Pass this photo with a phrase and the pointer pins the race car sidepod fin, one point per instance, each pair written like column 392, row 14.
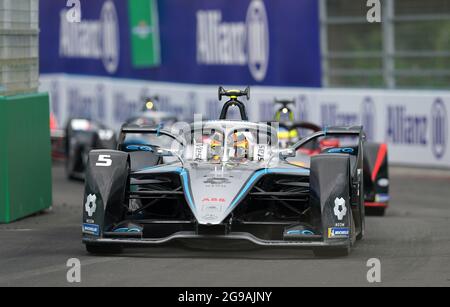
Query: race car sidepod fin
column 106, row 181
column 330, row 194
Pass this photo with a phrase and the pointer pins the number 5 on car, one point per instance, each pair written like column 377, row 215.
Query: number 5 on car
column 104, row 160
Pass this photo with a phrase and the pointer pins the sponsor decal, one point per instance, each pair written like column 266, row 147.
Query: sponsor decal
column 139, row 148
column 91, row 229
column 332, row 116
column 383, row 182
column 210, row 217
column 145, row 43
column 216, row 181
column 261, row 153
column 87, row 104
column 340, row 210
column 92, row 39
column 200, row 152
column 439, row 128
column 382, row 198
column 341, row 150
column 213, row 200
column 91, row 205
column 300, row 232
column 338, row 232
column 142, row 30
column 405, row 128
column 211, row 208
column 235, row 43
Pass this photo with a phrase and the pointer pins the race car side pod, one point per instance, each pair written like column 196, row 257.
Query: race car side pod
column 329, row 185
column 357, row 170
column 104, row 196
column 376, row 179
column 381, row 156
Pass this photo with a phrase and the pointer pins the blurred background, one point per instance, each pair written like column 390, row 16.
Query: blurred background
column 409, row 49
column 100, row 59
column 88, row 66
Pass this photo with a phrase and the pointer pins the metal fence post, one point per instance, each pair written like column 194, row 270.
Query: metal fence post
column 389, row 43
column 324, row 42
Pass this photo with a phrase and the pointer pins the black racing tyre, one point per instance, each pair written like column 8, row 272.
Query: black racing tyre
column 103, row 249
column 361, row 235
column 341, row 251
column 354, row 235
column 332, row 252
column 69, row 168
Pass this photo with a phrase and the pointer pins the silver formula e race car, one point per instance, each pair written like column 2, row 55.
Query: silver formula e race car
column 222, row 181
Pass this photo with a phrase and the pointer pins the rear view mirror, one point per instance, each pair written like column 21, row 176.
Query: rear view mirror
column 287, row 153
column 165, row 152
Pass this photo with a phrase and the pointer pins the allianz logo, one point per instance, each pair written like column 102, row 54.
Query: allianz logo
column 406, row 128
column 92, row 39
column 331, row 115
column 86, row 104
column 235, row 43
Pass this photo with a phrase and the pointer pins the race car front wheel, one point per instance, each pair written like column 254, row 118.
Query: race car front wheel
column 341, row 251
column 332, row 252
column 103, row 249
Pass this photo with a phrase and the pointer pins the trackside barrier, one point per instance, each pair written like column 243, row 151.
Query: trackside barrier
column 414, row 124
column 25, row 159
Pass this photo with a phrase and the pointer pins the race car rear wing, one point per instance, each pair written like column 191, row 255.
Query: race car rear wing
column 333, row 131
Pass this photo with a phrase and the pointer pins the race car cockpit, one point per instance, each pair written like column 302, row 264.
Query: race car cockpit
column 235, row 142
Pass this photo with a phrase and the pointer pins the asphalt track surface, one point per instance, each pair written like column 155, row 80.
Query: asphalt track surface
column 412, row 243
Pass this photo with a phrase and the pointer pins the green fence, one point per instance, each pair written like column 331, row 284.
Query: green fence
column 25, row 157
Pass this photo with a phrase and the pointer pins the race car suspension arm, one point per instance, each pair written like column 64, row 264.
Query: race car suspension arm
column 282, row 202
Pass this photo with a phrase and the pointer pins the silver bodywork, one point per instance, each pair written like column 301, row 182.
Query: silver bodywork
column 213, row 189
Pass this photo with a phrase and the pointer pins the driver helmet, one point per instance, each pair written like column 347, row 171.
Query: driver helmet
column 216, row 146
column 240, row 145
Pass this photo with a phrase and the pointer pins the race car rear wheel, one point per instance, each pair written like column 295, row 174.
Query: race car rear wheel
column 103, row 249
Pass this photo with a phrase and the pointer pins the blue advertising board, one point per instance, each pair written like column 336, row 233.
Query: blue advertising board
column 252, row 42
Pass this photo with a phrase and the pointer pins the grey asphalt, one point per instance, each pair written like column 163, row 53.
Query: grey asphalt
column 412, row 243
